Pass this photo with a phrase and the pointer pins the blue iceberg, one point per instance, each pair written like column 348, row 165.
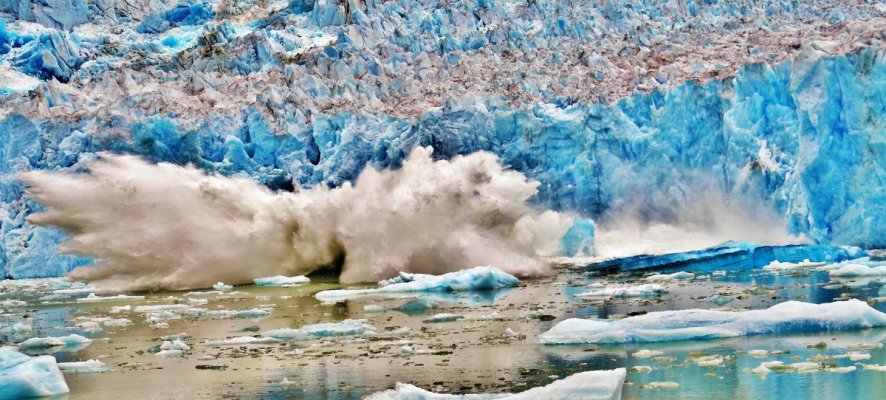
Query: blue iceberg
column 696, row 324
column 22, row 376
column 473, row 279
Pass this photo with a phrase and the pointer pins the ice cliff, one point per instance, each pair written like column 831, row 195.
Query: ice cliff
column 647, row 104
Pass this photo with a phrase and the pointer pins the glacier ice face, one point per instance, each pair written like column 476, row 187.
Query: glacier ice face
column 471, row 279
column 588, row 385
column 22, row 376
column 663, row 326
column 308, row 93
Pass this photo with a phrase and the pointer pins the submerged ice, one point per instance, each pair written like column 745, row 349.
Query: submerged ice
column 165, row 226
column 697, row 324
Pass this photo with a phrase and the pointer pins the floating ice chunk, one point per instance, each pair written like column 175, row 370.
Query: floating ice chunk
column 590, row 385
column 646, row 353
column 161, row 308
column 758, row 353
column 221, row 286
column 660, row 385
column 22, row 376
column 676, row 276
column 92, row 298
column 442, row 317
column 173, row 348
column 255, row 313
column 695, row 324
column 84, row 367
column 72, row 340
column 477, row 278
column 280, row 280
column 349, row 327
column 864, row 346
column 90, row 326
column 643, row 369
column 787, row 266
column 116, row 310
column 852, row 270
column 374, row 308
column 709, row 361
column 874, row 367
column 17, row 329
column 719, row 300
column 509, row 333
column 117, row 322
column 625, row 291
column 241, row 341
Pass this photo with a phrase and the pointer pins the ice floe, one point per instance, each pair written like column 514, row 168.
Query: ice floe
column 84, row 367
column 697, row 324
column 623, row 291
column 22, row 376
column 280, row 280
column 589, row 385
column 349, row 327
column 676, row 276
column 472, row 279
column 70, row 341
column 860, row 270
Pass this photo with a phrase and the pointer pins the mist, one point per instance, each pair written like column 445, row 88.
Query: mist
column 164, row 226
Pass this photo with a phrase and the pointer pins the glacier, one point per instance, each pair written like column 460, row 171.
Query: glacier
column 697, row 324
column 778, row 103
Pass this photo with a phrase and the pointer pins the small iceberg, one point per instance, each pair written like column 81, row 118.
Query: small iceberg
column 473, row 279
column 349, row 327
column 84, row 367
column 676, row 276
column 241, row 341
column 696, row 324
column 647, row 290
column 590, row 385
column 22, row 376
column 858, row 270
column 778, row 266
column 92, row 298
column 70, row 341
column 281, row 281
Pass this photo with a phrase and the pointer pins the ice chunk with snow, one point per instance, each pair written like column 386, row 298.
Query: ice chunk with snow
column 623, row 291
column 22, row 376
column 442, row 317
column 787, row 266
column 280, row 280
column 589, row 385
column 84, row 367
column 472, row 279
column 221, row 286
column 348, row 327
column 70, row 341
column 696, row 324
column 676, row 276
column 858, row 270
column 92, row 298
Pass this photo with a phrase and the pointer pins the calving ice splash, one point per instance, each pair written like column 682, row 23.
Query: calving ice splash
column 153, row 226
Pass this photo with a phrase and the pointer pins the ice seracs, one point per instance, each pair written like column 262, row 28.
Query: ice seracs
column 696, row 324
column 472, row 279
column 589, row 385
column 22, row 376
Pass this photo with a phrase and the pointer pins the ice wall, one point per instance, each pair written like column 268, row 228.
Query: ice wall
column 776, row 104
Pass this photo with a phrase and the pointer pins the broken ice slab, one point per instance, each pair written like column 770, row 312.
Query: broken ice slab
column 697, row 324
column 72, row 341
column 477, row 279
column 731, row 256
column 588, row 385
column 348, row 327
column 22, row 376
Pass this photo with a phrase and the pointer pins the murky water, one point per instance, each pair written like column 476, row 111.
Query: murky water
column 470, row 355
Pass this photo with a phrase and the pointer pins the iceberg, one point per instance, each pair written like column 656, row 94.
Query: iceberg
column 281, row 280
column 589, row 385
column 472, row 279
column 70, row 341
column 350, row 327
column 625, row 291
column 84, row 367
column 696, row 324
column 858, row 270
column 22, row 376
